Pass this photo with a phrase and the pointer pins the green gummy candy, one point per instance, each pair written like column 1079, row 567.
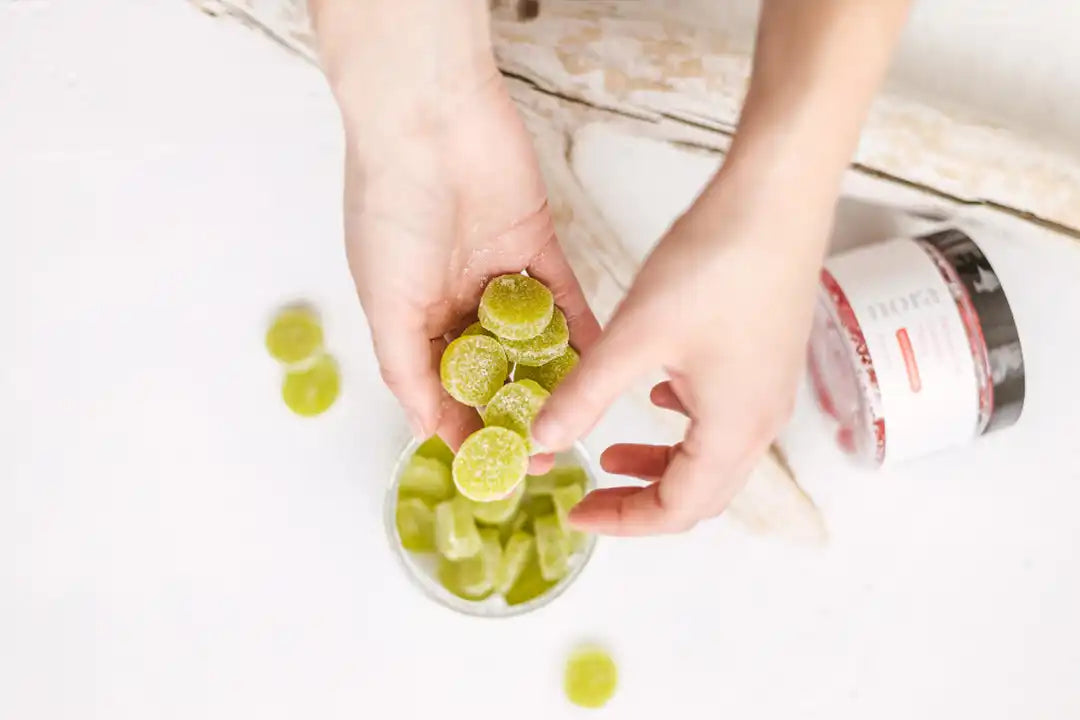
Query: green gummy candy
column 543, row 348
column 529, row 585
column 427, row 479
column 515, row 555
column 497, row 512
column 415, row 523
column 515, row 307
column 477, row 329
column 436, row 449
column 490, row 464
column 312, row 391
column 535, row 506
column 515, row 406
column 552, row 547
column 564, row 499
column 294, row 335
column 474, row 577
column 550, row 374
column 473, row 368
column 456, row 535
column 555, row 478
column 515, row 524
column 590, row 677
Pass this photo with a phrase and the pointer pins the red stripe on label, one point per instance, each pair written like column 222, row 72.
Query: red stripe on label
column 914, row 381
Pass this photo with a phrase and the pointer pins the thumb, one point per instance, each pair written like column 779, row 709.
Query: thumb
column 612, row 364
column 406, row 364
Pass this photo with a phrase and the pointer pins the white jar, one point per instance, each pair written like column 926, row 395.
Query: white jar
column 914, row 347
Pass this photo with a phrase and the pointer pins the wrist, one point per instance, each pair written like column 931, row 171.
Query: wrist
column 391, row 60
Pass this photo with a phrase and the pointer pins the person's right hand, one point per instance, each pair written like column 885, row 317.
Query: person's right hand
column 442, row 192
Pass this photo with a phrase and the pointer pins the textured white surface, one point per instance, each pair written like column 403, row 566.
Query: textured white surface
column 183, row 547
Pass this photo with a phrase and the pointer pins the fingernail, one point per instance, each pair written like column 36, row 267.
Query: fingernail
column 417, row 426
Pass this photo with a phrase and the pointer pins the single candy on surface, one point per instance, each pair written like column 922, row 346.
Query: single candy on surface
column 543, row 348
column 490, row 464
column 473, row 368
column 515, row 555
column 515, row 307
column 427, row 479
column 294, row 335
column 456, row 536
column 552, row 547
column 312, row 391
column 415, row 523
column 590, row 677
column 560, row 476
column 474, row 577
column 436, row 449
column 529, row 585
column 550, row 374
column 497, row 512
column 515, row 406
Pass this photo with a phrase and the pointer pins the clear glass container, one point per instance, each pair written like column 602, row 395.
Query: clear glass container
column 422, row 567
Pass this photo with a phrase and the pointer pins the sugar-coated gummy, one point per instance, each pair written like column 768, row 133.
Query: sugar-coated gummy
column 590, row 677
column 559, row 476
column 515, row 307
column 477, row 329
column 550, row 374
column 530, row 583
column 515, row 556
column 415, row 523
column 294, row 335
column 515, row 406
column 543, row 348
column 436, row 449
column 427, row 479
column 473, row 368
column 496, row 512
column 490, row 464
column 552, row 547
column 312, row 390
column 456, row 535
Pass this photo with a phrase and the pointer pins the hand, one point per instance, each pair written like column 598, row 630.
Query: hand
column 724, row 306
column 430, row 216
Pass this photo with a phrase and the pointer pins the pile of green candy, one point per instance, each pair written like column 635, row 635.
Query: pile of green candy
column 506, row 365
column 518, row 547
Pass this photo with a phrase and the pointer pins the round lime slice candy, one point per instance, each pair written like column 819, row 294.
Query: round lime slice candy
column 312, row 391
column 497, row 512
column 476, row 329
column 543, row 348
column 427, row 479
column 415, row 523
column 473, row 368
column 552, row 547
column 490, row 464
column 516, row 554
column 590, row 677
column 515, row 406
column 550, row 374
column 294, row 335
column 436, row 449
column 515, row 307
column 456, row 536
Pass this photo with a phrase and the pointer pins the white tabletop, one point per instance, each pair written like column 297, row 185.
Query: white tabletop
column 185, row 547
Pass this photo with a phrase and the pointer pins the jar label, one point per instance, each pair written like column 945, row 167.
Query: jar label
column 917, row 343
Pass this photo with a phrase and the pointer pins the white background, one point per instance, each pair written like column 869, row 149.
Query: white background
column 184, row 547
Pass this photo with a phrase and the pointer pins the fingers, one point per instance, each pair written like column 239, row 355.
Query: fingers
column 550, row 267
column 615, row 361
column 663, row 396
column 407, row 363
column 645, row 462
column 457, row 421
column 541, row 464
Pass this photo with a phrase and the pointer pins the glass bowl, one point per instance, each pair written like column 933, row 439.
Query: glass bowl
column 422, row 567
